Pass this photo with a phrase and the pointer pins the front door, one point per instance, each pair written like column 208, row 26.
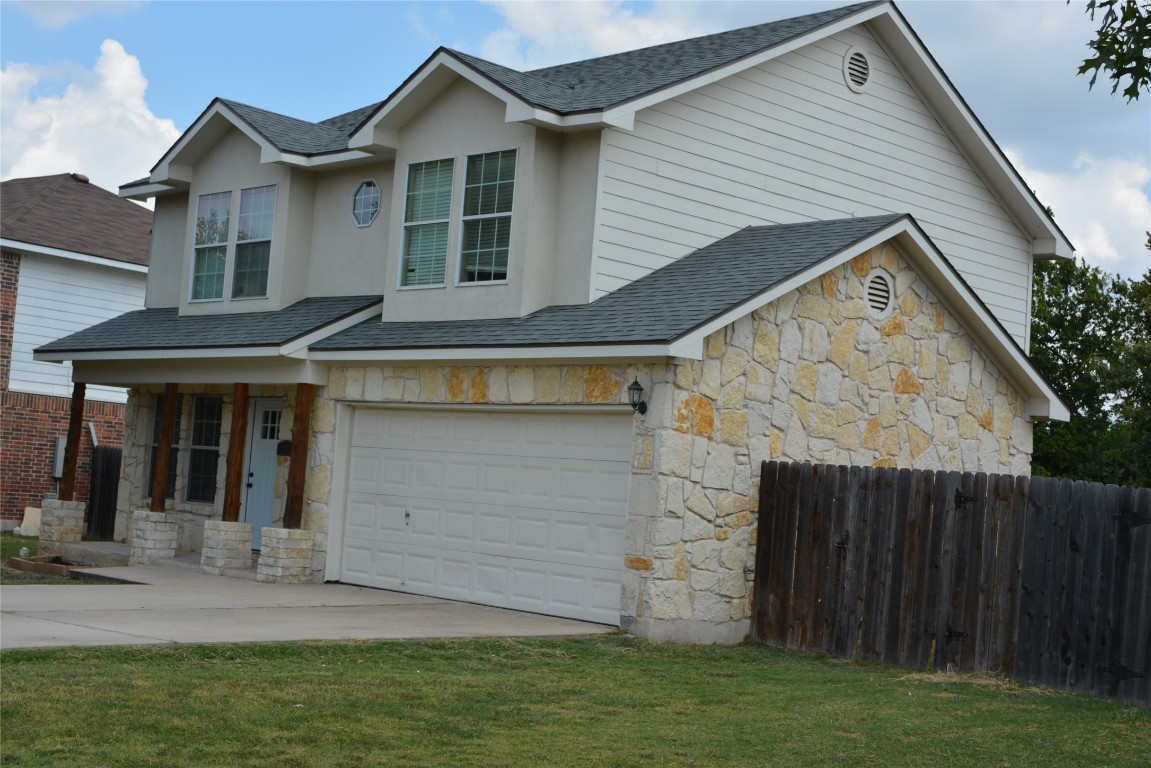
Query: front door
column 259, row 497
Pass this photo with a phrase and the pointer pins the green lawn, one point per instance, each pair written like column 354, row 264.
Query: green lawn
column 10, row 546
column 606, row 701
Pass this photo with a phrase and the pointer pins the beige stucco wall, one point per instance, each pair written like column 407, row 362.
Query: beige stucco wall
column 345, row 259
column 169, row 239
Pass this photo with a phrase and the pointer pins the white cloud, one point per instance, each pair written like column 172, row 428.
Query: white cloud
column 61, row 13
column 100, row 125
column 1102, row 206
column 538, row 34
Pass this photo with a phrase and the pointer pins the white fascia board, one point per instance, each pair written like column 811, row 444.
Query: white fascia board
column 145, row 191
column 167, row 169
column 694, row 83
column 320, row 161
column 631, row 352
column 299, row 347
column 962, row 123
column 126, row 355
column 367, row 135
column 200, row 372
column 44, row 250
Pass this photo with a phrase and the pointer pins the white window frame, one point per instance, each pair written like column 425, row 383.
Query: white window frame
column 410, row 226
column 231, row 244
column 254, row 240
column 465, row 219
column 356, row 210
column 198, row 247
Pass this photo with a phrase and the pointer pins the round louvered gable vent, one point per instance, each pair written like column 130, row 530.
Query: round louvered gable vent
column 857, row 70
column 880, row 293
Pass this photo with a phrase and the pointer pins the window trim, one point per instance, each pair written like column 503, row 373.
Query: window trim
column 198, row 248
column 408, row 226
column 355, row 200
column 464, row 219
column 231, row 245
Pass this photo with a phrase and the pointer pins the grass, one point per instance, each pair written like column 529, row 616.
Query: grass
column 605, row 701
column 10, row 545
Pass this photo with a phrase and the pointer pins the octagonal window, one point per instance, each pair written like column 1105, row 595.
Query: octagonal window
column 366, row 203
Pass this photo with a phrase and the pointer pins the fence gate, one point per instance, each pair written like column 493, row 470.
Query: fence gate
column 1044, row 580
column 102, row 492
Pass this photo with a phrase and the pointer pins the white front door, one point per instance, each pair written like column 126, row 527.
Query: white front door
column 259, row 498
column 521, row 509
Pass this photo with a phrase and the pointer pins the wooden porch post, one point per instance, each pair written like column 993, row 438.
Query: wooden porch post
column 298, row 463
column 237, row 440
column 164, row 448
column 72, row 447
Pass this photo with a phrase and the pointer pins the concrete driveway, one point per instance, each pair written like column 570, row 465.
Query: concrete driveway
column 176, row 603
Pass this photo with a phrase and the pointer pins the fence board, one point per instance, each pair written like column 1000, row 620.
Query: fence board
column 1047, row 580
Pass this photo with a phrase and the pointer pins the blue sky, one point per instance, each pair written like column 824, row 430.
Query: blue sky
column 104, row 88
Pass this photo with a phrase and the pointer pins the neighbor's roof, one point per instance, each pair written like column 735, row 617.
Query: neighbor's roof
column 66, row 212
column 164, row 328
column 657, row 308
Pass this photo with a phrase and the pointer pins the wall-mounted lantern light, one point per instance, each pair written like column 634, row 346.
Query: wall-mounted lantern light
column 635, row 397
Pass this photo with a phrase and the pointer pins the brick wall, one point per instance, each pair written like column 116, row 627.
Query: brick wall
column 29, row 425
column 9, row 277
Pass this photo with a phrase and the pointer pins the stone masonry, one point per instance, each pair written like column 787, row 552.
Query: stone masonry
column 61, row 522
column 812, row 376
column 153, row 536
column 286, row 557
column 227, row 547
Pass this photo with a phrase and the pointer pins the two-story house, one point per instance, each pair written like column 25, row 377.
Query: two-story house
column 524, row 338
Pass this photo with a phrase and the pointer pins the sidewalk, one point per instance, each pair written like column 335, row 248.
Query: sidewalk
column 175, row 602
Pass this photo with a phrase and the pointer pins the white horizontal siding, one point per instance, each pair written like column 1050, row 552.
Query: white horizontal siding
column 789, row 142
column 55, row 298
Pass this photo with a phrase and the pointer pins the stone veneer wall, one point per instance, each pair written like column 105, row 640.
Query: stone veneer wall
column 809, row 377
column 135, row 489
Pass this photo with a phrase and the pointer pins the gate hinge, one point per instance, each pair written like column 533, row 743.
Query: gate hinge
column 843, row 542
column 952, row 634
column 961, row 499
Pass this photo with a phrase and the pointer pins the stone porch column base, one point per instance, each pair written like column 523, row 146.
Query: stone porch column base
column 227, row 547
column 286, row 556
column 153, row 536
column 61, row 522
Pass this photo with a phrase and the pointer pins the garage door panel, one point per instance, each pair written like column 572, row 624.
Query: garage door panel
column 576, row 485
column 493, row 530
column 585, row 435
column 517, row 510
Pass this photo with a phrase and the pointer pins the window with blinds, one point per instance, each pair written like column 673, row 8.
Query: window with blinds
column 427, row 210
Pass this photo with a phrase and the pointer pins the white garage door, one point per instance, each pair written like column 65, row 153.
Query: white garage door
column 513, row 509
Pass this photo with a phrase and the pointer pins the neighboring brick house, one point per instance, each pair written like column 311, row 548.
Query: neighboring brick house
column 71, row 254
column 397, row 348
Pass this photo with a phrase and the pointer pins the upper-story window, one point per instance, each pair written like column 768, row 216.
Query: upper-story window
column 252, row 248
column 366, row 203
column 487, row 217
column 484, row 220
column 213, row 216
column 427, row 208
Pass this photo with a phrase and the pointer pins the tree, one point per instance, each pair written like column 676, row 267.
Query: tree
column 1122, row 45
column 1091, row 337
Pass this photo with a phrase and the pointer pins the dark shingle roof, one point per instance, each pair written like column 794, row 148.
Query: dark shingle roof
column 69, row 213
column 580, row 86
column 658, row 308
column 166, row 329
column 609, row 80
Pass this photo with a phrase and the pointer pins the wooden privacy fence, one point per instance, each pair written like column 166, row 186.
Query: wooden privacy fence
column 1047, row 581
